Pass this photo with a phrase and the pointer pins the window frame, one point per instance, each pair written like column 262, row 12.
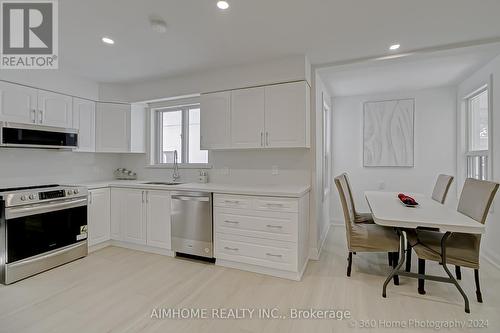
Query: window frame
column 484, row 153
column 156, row 142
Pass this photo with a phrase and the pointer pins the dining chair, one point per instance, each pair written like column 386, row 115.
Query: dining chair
column 439, row 194
column 462, row 249
column 358, row 217
column 365, row 237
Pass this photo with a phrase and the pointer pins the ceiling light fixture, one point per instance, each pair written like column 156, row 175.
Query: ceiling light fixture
column 222, row 5
column 108, row 40
column 394, row 47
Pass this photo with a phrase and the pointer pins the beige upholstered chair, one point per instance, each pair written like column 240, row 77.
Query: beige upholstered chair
column 439, row 194
column 461, row 249
column 364, row 237
column 441, row 188
column 358, row 217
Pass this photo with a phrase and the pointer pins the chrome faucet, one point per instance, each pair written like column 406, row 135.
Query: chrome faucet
column 175, row 174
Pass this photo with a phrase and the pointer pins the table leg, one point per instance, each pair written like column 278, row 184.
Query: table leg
column 400, row 263
column 452, row 278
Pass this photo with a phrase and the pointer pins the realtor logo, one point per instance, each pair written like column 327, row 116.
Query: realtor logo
column 29, row 34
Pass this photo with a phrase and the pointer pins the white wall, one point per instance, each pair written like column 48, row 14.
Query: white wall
column 435, row 147
column 32, row 166
column 285, row 69
column 490, row 246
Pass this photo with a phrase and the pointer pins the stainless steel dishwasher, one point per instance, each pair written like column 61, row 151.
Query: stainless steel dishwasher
column 192, row 231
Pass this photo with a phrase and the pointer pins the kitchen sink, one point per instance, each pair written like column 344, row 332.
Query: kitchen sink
column 162, row 183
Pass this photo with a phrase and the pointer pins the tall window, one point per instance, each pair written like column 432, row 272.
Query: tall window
column 178, row 130
column 326, row 150
column 477, row 154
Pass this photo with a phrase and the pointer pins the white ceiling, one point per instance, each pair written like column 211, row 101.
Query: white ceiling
column 201, row 37
column 414, row 72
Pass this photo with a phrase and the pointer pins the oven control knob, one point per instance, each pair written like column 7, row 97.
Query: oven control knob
column 69, row 192
column 76, row 191
column 32, row 196
column 24, row 197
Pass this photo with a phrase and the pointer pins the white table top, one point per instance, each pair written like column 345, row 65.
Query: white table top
column 388, row 211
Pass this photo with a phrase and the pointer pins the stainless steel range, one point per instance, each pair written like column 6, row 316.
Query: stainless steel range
column 41, row 227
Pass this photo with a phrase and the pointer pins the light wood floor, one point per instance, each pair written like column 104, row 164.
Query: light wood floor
column 115, row 290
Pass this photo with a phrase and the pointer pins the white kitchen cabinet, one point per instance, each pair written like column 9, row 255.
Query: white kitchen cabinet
column 158, row 219
column 247, row 118
column 215, row 120
column 84, row 122
column 99, row 216
column 287, row 115
column 141, row 217
column 18, row 103
column 120, row 128
column 266, row 235
column 55, row 109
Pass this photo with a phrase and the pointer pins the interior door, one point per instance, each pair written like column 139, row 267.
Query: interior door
column 17, row 103
column 215, row 120
column 247, row 118
column 84, row 121
column 55, row 109
column 158, row 217
column 287, row 115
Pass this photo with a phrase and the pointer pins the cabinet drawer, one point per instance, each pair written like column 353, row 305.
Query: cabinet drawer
column 279, row 226
column 276, row 204
column 254, row 251
column 232, row 201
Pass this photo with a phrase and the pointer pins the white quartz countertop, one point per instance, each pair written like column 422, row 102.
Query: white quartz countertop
column 293, row 191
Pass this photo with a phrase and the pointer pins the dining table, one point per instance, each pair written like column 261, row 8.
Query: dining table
column 389, row 211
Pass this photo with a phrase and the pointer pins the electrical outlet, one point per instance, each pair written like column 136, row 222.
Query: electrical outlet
column 275, row 170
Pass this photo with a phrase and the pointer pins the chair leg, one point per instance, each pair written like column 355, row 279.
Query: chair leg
column 389, row 256
column 408, row 257
column 349, row 260
column 458, row 272
column 478, row 289
column 395, row 261
column 421, row 282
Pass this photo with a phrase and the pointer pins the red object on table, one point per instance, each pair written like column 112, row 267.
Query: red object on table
column 407, row 200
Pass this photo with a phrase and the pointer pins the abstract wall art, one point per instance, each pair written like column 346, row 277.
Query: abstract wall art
column 388, row 133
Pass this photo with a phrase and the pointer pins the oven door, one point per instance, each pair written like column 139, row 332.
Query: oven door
column 32, row 230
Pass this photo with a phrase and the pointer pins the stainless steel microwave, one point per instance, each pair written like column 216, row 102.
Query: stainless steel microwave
column 37, row 136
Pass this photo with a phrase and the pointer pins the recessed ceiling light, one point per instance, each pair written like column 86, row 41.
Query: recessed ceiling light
column 222, row 4
column 394, row 47
column 108, row 40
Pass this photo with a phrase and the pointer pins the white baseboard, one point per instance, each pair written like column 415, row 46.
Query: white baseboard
column 314, row 252
column 491, row 258
column 337, row 223
column 143, row 248
column 99, row 246
column 296, row 276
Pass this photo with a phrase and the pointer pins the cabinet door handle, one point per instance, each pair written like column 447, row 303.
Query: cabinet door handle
column 274, row 255
column 261, row 139
column 231, row 248
column 267, row 138
column 34, row 115
column 274, row 205
column 232, row 222
column 274, row 226
column 41, row 116
column 232, row 201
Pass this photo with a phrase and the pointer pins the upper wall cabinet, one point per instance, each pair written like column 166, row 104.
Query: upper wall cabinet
column 18, row 103
column 32, row 106
column 55, row 109
column 274, row 116
column 120, row 128
column 215, row 119
column 287, row 115
column 84, row 122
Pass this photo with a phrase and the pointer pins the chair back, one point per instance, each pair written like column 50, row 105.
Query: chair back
column 351, row 196
column 476, row 198
column 346, row 202
column 441, row 188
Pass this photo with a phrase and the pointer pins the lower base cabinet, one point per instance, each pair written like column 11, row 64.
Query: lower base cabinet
column 262, row 234
column 141, row 217
column 98, row 216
